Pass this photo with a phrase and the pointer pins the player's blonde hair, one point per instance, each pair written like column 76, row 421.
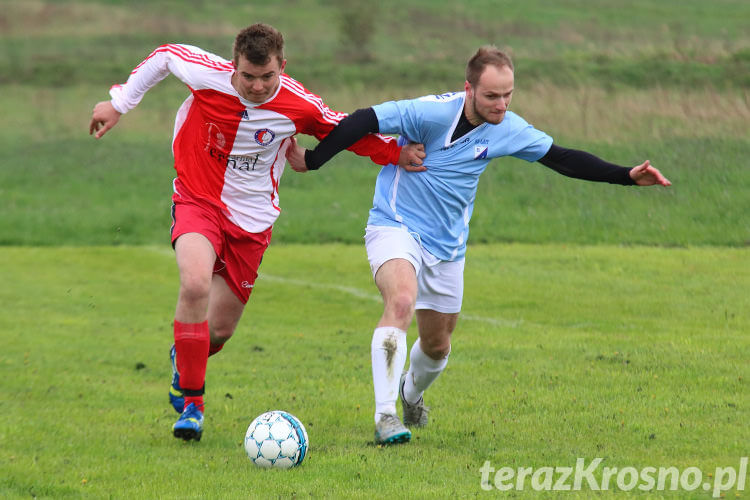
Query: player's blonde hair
column 258, row 43
column 489, row 54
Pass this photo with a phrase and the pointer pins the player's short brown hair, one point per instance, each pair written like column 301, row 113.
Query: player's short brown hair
column 258, row 43
column 489, row 54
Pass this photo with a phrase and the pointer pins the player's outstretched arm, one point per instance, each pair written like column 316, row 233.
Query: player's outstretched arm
column 646, row 175
column 586, row 166
column 410, row 158
column 350, row 130
column 104, row 117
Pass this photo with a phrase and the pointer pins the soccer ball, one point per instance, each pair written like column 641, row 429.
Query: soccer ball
column 276, row 439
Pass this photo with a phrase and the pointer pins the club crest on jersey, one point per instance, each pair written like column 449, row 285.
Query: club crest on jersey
column 480, row 152
column 264, row 136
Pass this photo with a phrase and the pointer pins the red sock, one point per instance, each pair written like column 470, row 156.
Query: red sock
column 196, row 400
column 191, row 341
column 214, row 348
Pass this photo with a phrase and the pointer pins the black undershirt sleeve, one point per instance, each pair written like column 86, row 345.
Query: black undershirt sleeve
column 349, row 130
column 583, row 165
column 568, row 162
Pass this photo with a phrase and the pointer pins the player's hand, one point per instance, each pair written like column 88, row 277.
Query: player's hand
column 646, row 175
column 295, row 155
column 104, row 117
column 411, row 157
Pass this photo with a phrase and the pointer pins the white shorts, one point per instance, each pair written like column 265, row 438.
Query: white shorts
column 440, row 283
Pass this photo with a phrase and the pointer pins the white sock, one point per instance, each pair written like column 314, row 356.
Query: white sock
column 388, row 352
column 423, row 370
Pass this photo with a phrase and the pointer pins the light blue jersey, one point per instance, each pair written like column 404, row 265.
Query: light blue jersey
column 437, row 204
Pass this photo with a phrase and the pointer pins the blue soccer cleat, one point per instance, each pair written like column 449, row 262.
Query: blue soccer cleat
column 190, row 424
column 176, row 397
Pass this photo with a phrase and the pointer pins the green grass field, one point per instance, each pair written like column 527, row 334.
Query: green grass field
column 635, row 355
column 599, row 321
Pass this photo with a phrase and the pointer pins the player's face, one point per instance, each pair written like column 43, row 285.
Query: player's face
column 257, row 83
column 489, row 99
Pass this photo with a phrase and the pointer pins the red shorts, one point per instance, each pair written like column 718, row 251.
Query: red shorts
column 238, row 253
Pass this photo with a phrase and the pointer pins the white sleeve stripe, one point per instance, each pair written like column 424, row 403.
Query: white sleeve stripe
column 291, row 82
column 325, row 111
column 203, row 59
column 188, row 56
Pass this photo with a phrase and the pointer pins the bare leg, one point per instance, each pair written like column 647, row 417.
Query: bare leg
column 224, row 311
column 435, row 330
column 195, row 262
column 397, row 282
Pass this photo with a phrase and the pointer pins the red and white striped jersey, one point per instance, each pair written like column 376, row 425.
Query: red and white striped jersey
column 231, row 151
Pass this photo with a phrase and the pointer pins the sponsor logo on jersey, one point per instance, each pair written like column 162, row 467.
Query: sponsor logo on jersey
column 244, row 115
column 480, row 152
column 264, row 136
column 242, row 162
column 246, row 284
column 214, row 137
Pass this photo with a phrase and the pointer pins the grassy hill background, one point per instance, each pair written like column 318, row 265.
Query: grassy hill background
column 667, row 81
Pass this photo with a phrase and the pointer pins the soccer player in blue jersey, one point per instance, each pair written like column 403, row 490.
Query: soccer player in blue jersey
column 418, row 227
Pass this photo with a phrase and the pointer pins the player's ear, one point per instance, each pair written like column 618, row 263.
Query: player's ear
column 467, row 88
column 283, row 65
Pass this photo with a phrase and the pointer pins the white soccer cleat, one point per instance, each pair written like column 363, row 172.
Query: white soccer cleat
column 390, row 430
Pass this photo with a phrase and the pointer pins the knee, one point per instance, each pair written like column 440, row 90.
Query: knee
column 401, row 306
column 221, row 332
column 194, row 288
column 436, row 348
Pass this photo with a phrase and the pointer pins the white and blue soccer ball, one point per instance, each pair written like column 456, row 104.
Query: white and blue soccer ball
column 276, row 439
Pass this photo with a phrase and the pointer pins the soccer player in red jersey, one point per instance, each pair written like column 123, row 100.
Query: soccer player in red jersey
column 230, row 141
